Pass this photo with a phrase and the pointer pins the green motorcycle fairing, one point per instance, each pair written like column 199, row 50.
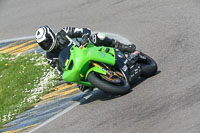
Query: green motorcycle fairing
column 78, row 66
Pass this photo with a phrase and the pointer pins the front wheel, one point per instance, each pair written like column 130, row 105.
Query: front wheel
column 114, row 88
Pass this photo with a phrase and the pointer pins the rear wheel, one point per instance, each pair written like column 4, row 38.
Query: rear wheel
column 149, row 66
column 117, row 84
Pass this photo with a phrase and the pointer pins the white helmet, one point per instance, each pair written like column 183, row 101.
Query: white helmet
column 45, row 37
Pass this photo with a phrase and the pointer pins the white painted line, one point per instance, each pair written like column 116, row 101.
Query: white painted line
column 17, row 39
column 76, row 103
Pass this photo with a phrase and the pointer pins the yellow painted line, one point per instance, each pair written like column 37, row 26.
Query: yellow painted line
column 14, row 131
column 56, row 92
column 61, row 87
column 69, row 91
column 49, row 95
column 7, row 46
column 43, row 102
column 46, row 98
column 59, row 93
column 15, row 47
column 24, row 48
column 64, row 87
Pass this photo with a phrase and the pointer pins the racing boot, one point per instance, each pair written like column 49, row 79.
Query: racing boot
column 123, row 47
column 100, row 39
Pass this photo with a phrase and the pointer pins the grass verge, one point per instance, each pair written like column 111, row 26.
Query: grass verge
column 23, row 80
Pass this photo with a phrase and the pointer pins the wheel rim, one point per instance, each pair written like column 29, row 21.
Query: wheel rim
column 117, row 78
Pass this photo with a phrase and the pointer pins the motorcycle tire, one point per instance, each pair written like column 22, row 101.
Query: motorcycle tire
column 149, row 66
column 108, row 87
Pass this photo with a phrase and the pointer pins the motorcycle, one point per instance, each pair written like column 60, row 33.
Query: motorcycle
column 102, row 67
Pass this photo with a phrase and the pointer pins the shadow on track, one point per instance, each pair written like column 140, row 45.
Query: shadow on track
column 102, row 96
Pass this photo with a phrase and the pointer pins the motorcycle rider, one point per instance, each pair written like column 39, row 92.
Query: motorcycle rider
column 53, row 43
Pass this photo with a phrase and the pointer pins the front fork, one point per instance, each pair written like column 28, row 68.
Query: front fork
column 109, row 72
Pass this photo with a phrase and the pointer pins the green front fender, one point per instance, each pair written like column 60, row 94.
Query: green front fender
column 95, row 69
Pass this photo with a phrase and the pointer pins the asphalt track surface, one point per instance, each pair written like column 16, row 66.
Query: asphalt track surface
column 167, row 30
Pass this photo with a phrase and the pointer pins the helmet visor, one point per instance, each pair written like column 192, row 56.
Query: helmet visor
column 46, row 44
